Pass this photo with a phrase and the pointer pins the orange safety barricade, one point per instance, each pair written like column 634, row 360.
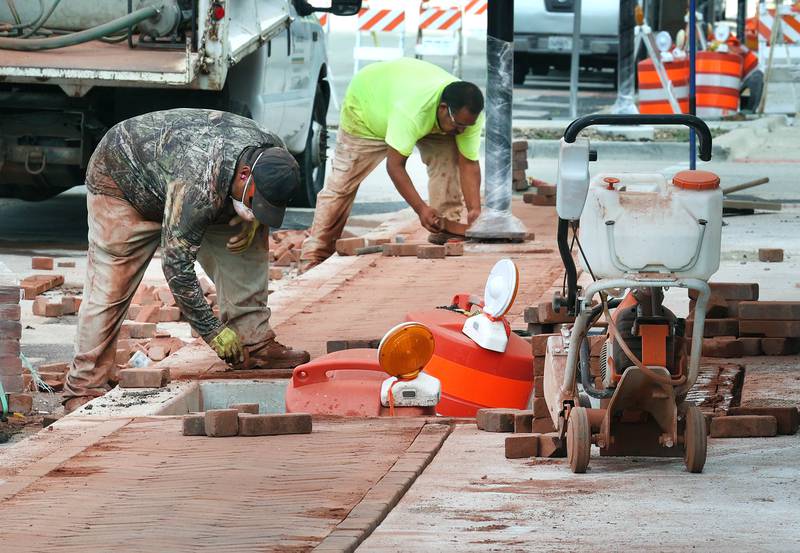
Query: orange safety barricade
column 653, row 98
column 718, row 79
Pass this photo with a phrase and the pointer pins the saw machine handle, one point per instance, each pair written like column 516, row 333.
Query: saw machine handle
column 692, row 121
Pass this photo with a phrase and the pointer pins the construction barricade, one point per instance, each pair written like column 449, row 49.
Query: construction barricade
column 654, row 97
column 718, row 80
column 440, row 33
column 381, row 21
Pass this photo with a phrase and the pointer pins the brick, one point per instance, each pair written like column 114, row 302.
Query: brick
column 751, row 346
column 539, row 344
column 148, row 314
column 744, row 426
column 194, row 424
column 10, row 330
column 378, row 241
column 10, row 295
column 538, row 386
column 221, row 423
column 275, row 273
column 145, row 295
column 523, row 422
column 787, row 418
column 143, row 378
column 164, row 295
column 431, row 252
column 138, row 330
column 42, row 263
column 169, row 315
column 122, row 356
column 716, row 327
column 535, row 198
column 12, row 382
column 496, row 419
column 157, row 353
column 550, row 446
column 70, row 305
column 519, row 164
column 543, row 425
column 9, row 347
column 519, row 183
column 368, row 250
column 20, row 403
column 407, row 249
column 43, row 307
column 10, row 312
column 770, row 329
column 741, row 291
column 519, row 146
column 716, row 308
column 770, row 255
column 273, row 425
column 455, row 227
column 540, row 408
column 207, row 285
column 348, row 246
column 453, row 248
column 66, row 264
column 521, row 446
column 548, row 315
column 538, row 366
column 54, row 368
column 722, row 346
column 779, row 346
column 531, row 314
column 770, row 310
column 10, row 364
column 250, row 408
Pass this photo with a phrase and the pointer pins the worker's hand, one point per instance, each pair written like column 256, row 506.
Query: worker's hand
column 228, row 347
column 472, row 215
column 240, row 242
column 430, row 219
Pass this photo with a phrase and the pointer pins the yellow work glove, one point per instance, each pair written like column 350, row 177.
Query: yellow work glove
column 240, row 242
column 227, row 345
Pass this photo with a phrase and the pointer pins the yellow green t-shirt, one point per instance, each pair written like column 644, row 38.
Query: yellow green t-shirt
column 395, row 101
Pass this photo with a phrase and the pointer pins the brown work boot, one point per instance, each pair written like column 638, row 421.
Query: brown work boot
column 76, row 403
column 274, row 355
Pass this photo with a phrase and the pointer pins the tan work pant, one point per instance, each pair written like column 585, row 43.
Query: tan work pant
column 121, row 244
column 354, row 159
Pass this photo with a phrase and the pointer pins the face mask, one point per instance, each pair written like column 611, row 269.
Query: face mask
column 238, row 205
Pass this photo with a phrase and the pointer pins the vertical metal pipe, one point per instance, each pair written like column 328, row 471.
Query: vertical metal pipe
column 626, row 64
column 741, row 16
column 576, row 58
column 692, row 81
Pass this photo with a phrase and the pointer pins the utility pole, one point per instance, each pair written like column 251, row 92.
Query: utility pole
column 626, row 64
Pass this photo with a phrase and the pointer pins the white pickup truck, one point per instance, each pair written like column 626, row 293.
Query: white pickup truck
column 70, row 70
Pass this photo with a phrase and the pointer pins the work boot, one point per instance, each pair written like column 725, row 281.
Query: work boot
column 439, row 238
column 76, row 403
column 274, row 355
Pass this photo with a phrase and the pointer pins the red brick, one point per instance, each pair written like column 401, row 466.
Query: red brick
column 169, row 315
column 543, row 425
column 539, row 344
column 744, row 426
column 779, row 346
column 550, row 446
column 770, row 329
column 275, row 273
column 523, row 422
column 519, row 164
column 285, row 260
column 348, row 246
column 9, row 347
column 722, row 346
column 222, row 422
column 54, row 367
column 157, row 353
column 10, row 294
column 747, row 291
column 207, row 285
column 12, row 382
column 770, row 255
column 10, row 364
column 43, row 307
column 20, row 403
column 538, row 366
column 143, row 378
column 535, row 198
column 407, row 249
column 455, row 227
column 519, row 146
column 148, row 314
column 540, row 408
column 454, row 248
column 272, row 425
column 70, row 304
column 431, row 252
column 42, row 263
column 788, row 418
column 521, row 446
column 10, row 330
column 122, row 356
column 145, row 295
column 164, row 294
column 138, row 330
column 538, row 386
column 770, row 310
column 716, row 327
column 37, row 285
column 752, row 346
column 547, row 314
column 249, row 408
column 66, row 264
column 10, row 312
column 194, row 424
column 496, row 419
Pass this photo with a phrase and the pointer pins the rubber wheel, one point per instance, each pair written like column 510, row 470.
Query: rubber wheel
column 312, row 159
column 584, row 401
column 520, row 70
column 579, row 440
column 695, row 439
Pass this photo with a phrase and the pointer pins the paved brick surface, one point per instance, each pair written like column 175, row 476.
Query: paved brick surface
column 147, row 487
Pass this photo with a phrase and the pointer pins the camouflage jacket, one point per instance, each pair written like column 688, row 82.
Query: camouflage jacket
column 176, row 167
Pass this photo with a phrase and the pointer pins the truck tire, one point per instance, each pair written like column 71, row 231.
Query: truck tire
column 312, row 159
column 520, row 69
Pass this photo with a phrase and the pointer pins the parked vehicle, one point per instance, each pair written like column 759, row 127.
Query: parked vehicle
column 102, row 62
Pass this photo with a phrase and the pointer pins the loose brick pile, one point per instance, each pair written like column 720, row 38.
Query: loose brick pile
column 36, row 285
column 284, row 250
column 53, row 376
column 54, row 306
column 543, row 193
column 738, row 325
column 519, row 165
column 542, row 318
column 423, row 250
column 359, row 245
column 717, row 388
column 533, row 431
column 244, row 420
column 11, row 370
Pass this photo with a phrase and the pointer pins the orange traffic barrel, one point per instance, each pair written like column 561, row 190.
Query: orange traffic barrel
column 718, row 78
column 653, row 98
column 473, row 377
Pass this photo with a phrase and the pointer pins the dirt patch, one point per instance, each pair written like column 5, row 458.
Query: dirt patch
column 74, row 471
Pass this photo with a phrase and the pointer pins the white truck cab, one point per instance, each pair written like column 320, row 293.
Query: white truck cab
column 69, row 71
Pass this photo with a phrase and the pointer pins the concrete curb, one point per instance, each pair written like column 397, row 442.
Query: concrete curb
column 626, row 149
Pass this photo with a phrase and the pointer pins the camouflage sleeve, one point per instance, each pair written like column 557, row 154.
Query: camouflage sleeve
column 185, row 223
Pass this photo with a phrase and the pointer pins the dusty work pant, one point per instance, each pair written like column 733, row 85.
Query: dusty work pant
column 354, row 159
column 121, row 244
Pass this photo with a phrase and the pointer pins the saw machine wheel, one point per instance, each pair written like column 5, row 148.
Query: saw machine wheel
column 579, row 440
column 694, row 439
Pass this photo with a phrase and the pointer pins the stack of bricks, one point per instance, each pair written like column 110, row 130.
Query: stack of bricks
column 36, row 285
column 243, row 419
column 10, row 333
column 423, row 250
column 52, row 375
column 152, row 304
column 738, row 325
column 284, row 250
column 46, row 306
column 717, row 389
column 519, row 163
column 543, row 319
column 543, row 194
column 532, row 437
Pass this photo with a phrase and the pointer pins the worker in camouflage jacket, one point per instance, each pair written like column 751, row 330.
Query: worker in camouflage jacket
column 203, row 185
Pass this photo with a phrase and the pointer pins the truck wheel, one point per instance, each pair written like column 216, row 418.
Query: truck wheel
column 312, row 160
column 520, row 70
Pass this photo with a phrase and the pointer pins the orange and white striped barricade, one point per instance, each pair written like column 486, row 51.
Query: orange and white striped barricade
column 474, row 19
column 654, row 97
column 440, row 33
column 789, row 31
column 718, row 78
column 380, row 20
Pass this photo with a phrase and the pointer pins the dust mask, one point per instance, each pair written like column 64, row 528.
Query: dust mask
column 238, row 205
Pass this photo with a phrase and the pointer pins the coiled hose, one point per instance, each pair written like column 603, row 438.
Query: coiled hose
column 95, row 33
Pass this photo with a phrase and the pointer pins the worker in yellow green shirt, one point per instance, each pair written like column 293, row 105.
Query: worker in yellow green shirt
column 389, row 108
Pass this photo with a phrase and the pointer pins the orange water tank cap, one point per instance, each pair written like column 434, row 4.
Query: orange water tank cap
column 696, row 180
column 610, row 182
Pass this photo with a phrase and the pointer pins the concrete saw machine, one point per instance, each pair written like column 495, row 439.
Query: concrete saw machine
column 637, row 235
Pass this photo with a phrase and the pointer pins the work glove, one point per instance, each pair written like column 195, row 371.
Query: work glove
column 240, row 242
column 228, row 347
